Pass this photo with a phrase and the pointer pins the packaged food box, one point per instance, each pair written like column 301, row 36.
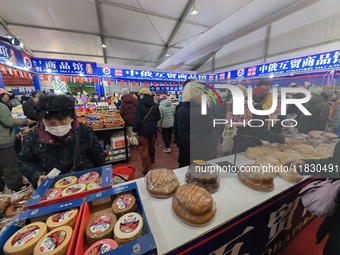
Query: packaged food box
column 117, row 142
column 115, row 219
column 38, row 228
column 71, row 186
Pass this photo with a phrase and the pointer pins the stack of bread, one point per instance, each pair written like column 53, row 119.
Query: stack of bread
column 193, row 205
column 315, row 145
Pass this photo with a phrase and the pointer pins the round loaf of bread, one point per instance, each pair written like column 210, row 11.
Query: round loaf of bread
column 316, row 133
column 288, row 157
column 304, row 149
column 290, row 175
column 331, row 136
column 273, row 147
column 161, row 182
column 254, row 178
column 254, row 152
column 193, row 205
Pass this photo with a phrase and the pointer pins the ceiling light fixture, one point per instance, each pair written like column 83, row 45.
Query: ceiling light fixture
column 9, row 63
column 26, row 68
column 167, row 54
column 49, row 70
column 81, row 74
column 104, row 45
column 194, row 11
column 271, row 76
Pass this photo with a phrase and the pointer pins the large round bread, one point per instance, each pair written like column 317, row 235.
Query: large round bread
column 273, row 147
column 254, row 178
column 290, row 175
column 304, row 149
column 288, row 157
column 194, row 205
column 161, row 182
column 254, row 152
column 316, row 133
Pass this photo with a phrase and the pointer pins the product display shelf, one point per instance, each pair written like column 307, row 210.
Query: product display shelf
column 126, row 144
column 232, row 199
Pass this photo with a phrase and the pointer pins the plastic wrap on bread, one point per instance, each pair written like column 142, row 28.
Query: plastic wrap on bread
column 255, row 178
column 193, row 205
column 161, row 183
column 204, row 175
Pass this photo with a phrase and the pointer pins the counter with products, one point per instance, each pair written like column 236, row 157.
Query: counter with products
column 246, row 220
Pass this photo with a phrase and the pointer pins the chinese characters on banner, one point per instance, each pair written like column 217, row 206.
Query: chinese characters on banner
column 64, row 67
column 303, row 64
column 165, row 88
column 150, row 75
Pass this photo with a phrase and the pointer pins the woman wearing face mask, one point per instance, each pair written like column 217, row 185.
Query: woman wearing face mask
column 58, row 141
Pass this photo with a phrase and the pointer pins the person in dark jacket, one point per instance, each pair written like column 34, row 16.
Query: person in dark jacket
column 128, row 110
column 28, row 107
column 192, row 130
column 146, row 118
column 251, row 136
column 331, row 224
column 58, row 141
column 319, row 108
column 94, row 98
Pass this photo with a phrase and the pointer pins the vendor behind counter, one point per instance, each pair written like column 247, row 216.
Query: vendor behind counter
column 252, row 136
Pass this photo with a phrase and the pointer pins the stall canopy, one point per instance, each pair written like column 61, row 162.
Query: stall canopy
column 163, row 34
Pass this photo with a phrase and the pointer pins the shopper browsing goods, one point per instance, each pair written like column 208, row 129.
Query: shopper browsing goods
column 58, row 141
column 8, row 159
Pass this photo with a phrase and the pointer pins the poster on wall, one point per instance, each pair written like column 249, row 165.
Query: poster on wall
column 11, row 54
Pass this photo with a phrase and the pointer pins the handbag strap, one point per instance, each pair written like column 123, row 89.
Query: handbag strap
column 147, row 114
column 76, row 149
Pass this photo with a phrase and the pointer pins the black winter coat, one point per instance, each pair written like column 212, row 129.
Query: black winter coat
column 319, row 109
column 251, row 136
column 28, row 109
column 147, row 127
column 193, row 134
column 38, row 158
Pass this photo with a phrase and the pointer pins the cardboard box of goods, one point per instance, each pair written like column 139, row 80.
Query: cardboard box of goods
column 47, row 229
column 117, row 142
column 71, row 186
column 114, row 221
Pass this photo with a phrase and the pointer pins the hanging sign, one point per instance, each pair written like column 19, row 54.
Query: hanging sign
column 150, row 75
column 165, row 88
column 9, row 53
column 54, row 66
column 321, row 61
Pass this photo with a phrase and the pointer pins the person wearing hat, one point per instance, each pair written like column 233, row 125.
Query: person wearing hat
column 128, row 110
column 58, row 141
column 251, row 136
column 8, row 158
column 319, row 108
column 146, row 118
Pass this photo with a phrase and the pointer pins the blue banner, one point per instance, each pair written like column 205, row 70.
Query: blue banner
column 165, row 88
column 305, row 64
column 64, row 67
column 146, row 75
column 10, row 54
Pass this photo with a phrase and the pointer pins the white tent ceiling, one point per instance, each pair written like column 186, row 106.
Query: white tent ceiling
column 225, row 34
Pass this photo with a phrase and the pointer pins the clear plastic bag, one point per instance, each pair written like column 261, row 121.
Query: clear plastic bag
column 161, row 183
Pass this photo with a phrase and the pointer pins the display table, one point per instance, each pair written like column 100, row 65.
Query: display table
column 246, row 222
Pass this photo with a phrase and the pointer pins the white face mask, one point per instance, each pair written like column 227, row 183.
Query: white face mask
column 59, row 130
